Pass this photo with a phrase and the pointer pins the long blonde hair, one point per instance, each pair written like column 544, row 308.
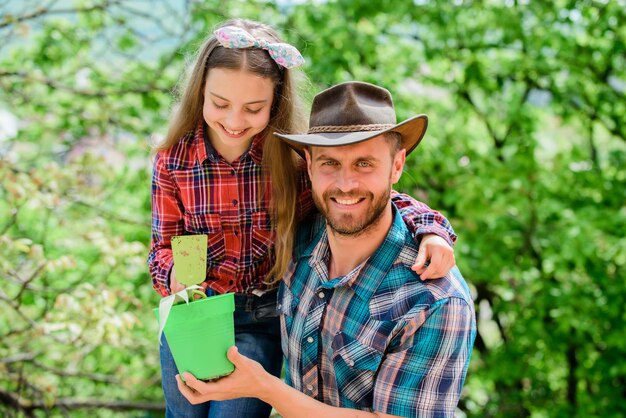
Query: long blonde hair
column 287, row 116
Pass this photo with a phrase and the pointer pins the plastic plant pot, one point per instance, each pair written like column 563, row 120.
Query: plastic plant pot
column 199, row 334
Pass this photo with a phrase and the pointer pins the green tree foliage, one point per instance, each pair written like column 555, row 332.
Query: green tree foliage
column 525, row 153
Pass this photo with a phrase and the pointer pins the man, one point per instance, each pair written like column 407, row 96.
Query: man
column 362, row 334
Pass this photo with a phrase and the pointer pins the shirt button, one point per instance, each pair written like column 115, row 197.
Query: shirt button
column 310, row 339
column 321, row 295
column 232, row 172
column 235, row 202
column 279, row 306
column 310, row 388
column 350, row 363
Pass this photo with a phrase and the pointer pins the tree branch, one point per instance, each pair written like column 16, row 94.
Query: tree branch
column 28, row 406
column 95, row 377
column 54, row 84
column 26, row 282
column 46, row 11
column 572, row 380
column 497, row 141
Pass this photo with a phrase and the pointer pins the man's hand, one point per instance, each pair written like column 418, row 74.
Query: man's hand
column 438, row 253
column 250, row 380
column 246, row 381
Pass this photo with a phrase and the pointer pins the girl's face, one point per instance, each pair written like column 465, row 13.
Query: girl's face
column 237, row 106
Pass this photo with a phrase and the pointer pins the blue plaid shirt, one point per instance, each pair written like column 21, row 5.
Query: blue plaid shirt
column 377, row 339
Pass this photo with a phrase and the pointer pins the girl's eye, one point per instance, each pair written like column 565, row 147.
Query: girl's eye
column 218, row 106
column 254, row 112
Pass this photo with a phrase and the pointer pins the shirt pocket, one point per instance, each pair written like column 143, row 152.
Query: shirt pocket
column 208, row 224
column 262, row 234
column 355, row 365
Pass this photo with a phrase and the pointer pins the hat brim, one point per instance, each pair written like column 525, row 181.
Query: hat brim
column 411, row 130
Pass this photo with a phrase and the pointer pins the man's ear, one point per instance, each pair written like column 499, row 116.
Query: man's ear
column 398, row 165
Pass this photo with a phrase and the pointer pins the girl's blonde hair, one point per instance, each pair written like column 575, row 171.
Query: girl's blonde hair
column 286, row 116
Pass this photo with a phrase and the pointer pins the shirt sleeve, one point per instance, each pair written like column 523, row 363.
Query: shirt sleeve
column 422, row 220
column 167, row 221
column 424, row 374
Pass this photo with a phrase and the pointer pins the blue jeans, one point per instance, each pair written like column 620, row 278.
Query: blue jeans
column 257, row 336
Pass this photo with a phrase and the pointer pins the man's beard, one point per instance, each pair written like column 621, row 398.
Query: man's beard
column 346, row 224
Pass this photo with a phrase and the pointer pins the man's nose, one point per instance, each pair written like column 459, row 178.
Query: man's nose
column 346, row 180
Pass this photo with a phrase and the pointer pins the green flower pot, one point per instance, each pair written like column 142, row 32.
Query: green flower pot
column 199, row 333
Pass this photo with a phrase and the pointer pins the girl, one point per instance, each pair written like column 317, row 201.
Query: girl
column 213, row 175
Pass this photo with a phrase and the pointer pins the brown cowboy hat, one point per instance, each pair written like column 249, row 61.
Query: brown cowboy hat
column 352, row 112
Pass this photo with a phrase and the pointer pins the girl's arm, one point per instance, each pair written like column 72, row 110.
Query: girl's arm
column 432, row 232
column 422, row 220
column 167, row 221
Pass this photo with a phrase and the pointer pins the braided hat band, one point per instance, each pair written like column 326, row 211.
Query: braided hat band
column 349, row 128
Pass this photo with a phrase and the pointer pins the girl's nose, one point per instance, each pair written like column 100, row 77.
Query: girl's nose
column 235, row 119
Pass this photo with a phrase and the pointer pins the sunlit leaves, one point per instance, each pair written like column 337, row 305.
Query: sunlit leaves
column 525, row 154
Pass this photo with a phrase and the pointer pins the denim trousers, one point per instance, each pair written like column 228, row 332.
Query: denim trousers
column 257, row 336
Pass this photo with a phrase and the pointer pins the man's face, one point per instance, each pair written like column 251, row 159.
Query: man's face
column 352, row 183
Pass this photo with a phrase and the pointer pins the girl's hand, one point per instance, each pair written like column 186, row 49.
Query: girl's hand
column 439, row 255
column 175, row 287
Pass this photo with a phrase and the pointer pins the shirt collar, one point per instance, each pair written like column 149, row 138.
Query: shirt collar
column 367, row 277
column 205, row 149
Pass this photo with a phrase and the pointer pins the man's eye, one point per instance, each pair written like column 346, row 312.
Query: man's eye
column 364, row 164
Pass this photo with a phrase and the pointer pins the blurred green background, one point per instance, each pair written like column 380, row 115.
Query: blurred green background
column 525, row 154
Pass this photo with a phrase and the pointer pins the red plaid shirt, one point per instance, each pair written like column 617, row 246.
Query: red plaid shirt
column 196, row 191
